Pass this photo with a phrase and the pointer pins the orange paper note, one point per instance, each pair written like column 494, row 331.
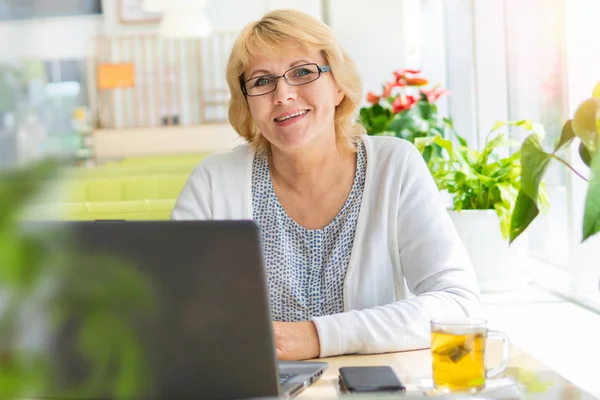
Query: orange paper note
column 114, row 76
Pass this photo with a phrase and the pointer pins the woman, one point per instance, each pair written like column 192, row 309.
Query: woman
column 360, row 253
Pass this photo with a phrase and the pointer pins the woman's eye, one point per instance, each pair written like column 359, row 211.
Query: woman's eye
column 262, row 81
column 300, row 72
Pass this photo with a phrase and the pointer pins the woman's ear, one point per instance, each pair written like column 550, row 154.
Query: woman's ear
column 339, row 96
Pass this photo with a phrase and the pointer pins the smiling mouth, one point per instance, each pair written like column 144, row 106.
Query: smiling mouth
column 294, row 115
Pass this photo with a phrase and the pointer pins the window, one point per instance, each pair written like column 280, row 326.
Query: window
column 509, row 60
column 28, row 9
column 37, row 120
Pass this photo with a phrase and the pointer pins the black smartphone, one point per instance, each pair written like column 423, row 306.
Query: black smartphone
column 370, row 379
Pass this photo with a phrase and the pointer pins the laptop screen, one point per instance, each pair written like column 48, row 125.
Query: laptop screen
column 150, row 310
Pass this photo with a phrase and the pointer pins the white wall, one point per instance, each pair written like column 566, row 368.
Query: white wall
column 433, row 47
column 224, row 15
column 52, row 38
column 233, row 15
column 112, row 24
column 371, row 32
column 312, row 7
column 70, row 37
column 491, row 80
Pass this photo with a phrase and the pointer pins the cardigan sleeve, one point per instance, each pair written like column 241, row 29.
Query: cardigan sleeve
column 193, row 202
column 434, row 264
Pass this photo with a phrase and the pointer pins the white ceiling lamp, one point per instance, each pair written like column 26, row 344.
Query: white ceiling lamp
column 185, row 23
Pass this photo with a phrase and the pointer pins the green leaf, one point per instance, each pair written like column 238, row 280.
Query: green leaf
column 422, row 142
column 365, row 118
column 534, row 164
column 496, row 142
column 374, row 118
column 377, row 109
column 461, row 140
column 378, row 124
column 585, row 155
column 508, row 193
column 444, row 144
column 19, row 186
column 596, row 91
column 534, row 161
column 591, row 219
column 498, row 125
column 525, row 211
column 501, row 141
column 408, row 120
column 486, row 180
column 509, row 161
column 525, row 123
column 566, row 137
column 428, row 155
column 499, row 173
column 585, row 123
column 538, row 129
column 425, row 109
column 470, row 155
column 508, row 197
column 543, row 198
column 504, row 214
column 450, row 126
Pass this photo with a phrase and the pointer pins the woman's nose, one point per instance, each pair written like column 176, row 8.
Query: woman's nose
column 284, row 92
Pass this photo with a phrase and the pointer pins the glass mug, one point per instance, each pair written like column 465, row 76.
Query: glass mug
column 458, row 354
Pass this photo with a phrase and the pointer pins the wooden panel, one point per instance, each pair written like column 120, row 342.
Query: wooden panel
column 200, row 88
column 117, row 143
column 144, row 80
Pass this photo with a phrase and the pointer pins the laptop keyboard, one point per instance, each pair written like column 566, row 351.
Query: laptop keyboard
column 284, row 378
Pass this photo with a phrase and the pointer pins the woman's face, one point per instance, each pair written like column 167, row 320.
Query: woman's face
column 313, row 103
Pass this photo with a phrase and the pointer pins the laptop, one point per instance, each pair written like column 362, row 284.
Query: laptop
column 184, row 302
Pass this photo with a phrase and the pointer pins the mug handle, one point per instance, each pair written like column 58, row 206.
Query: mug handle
column 490, row 373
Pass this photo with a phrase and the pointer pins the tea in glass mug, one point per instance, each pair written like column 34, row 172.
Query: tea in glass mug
column 458, row 354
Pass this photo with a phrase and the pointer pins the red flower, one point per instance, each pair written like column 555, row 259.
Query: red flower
column 403, row 102
column 401, row 73
column 387, row 89
column 373, row 98
column 416, row 81
column 434, row 94
column 409, row 77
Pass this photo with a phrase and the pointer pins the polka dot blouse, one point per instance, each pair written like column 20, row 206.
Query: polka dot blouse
column 305, row 268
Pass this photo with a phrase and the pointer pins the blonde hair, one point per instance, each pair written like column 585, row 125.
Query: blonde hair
column 283, row 29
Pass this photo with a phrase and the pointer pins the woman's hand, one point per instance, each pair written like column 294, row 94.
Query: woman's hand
column 296, row 340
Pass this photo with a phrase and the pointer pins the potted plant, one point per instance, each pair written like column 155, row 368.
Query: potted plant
column 583, row 129
column 484, row 187
column 407, row 110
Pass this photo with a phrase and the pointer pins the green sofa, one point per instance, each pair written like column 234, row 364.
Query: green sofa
column 143, row 188
column 103, row 210
column 150, row 187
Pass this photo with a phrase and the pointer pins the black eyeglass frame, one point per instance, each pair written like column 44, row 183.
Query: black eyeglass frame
column 320, row 68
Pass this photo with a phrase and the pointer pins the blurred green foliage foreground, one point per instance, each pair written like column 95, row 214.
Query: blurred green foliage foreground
column 54, row 300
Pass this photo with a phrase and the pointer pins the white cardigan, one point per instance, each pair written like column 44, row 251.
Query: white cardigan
column 407, row 265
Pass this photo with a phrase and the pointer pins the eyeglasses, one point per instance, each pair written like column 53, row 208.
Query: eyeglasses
column 297, row 76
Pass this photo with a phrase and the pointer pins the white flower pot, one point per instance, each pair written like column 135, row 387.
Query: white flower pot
column 498, row 266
